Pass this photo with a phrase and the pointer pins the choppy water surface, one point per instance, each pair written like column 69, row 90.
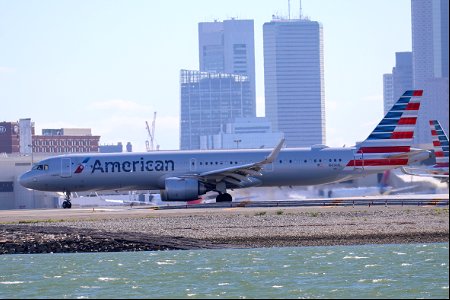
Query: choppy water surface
column 370, row 271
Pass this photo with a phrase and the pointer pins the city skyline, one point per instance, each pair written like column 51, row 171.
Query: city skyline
column 108, row 65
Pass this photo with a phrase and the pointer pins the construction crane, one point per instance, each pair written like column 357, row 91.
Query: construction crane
column 151, row 133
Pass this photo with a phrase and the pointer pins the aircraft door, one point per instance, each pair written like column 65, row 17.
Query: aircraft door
column 66, row 167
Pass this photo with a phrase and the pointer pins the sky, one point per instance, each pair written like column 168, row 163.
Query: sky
column 109, row 65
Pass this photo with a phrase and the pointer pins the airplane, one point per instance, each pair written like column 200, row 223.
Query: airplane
column 440, row 144
column 186, row 175
column 382, row 188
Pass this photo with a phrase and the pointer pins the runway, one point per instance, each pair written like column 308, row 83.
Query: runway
column 402, row 200
column 243, row 207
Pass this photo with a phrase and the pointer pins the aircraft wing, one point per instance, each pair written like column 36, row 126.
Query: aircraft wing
column 394, row 191
column 404, row 170
column 243, row 175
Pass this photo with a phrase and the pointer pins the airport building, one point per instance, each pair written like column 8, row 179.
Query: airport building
column 20, row 148
column 430, row 47
column 15, row 196
column 243, row 133
column 210, row 100
column 294, row 80
column 228, row 47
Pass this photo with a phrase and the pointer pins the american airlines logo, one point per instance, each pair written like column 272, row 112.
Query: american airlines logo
column 80, row 167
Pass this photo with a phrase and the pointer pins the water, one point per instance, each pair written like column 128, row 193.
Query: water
column 369, row 271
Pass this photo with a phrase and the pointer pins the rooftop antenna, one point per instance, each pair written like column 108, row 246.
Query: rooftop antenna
column 151, row 134
column 289, row 9
column 300, row 16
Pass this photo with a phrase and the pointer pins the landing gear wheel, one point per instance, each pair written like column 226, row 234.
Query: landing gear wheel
column 67, row 203
column 224, row 198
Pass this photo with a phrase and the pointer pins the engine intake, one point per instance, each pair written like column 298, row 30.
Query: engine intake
column 182, row 189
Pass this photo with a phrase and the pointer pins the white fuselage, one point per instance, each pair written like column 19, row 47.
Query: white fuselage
column 149, row 170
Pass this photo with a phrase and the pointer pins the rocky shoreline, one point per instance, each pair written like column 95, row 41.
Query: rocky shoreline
column 236, row 229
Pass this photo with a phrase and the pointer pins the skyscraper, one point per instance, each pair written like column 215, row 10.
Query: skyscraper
column 401, row 79
column 430, row 63
column 294, row 80
column 228, row 47
column 208, row 101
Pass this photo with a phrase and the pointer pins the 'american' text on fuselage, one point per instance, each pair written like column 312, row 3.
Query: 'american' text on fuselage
column 133, row 166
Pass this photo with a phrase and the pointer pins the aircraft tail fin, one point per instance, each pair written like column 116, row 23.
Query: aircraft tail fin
column 394, row 134
column 440, row 143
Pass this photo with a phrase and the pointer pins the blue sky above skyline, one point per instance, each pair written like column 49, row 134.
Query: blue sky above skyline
column 108, row 65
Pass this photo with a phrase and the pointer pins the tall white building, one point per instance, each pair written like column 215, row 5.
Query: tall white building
column 228, row 47
column 400, row 80
column 294, row 80
column 430, row 63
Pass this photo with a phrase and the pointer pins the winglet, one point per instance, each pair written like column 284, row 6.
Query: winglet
column 273, row 155
column 403, row 169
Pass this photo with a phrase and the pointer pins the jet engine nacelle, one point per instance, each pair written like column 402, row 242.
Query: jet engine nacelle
column 182, row 189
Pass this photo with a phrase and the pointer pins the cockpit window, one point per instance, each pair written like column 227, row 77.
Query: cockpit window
column 41, row 167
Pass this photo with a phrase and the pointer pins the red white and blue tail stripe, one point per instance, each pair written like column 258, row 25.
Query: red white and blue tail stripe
column 390, row 142
column 440, row 144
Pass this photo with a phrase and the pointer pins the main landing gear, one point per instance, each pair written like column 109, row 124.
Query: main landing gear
column 225, row 197
column 67, row 203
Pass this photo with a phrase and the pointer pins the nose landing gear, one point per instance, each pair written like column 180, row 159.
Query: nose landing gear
column 67, row 203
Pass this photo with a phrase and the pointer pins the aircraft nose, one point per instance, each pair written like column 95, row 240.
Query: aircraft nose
column 27, row 180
